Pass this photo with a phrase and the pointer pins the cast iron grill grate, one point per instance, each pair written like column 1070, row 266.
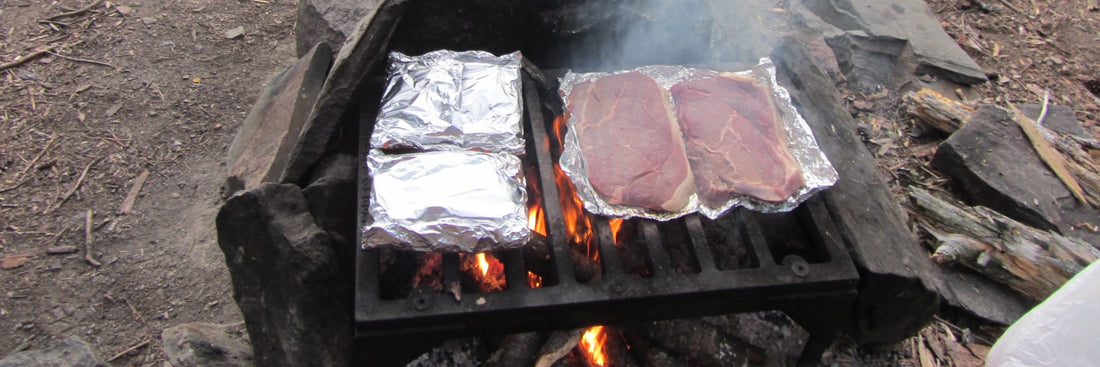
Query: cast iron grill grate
column 792, row 262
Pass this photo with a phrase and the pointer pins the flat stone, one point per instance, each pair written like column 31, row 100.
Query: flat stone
column 261, row 150
column 329, row 21
column 204, row 344
column 235, row 33
column 360, row 54
column 994, row 164
column 911, row 20
column 286, row 280
column 70, row 352
column 871, row 64
column 1059, row 118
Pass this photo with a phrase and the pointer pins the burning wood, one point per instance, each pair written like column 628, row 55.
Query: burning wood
column 486, row 271
column 592, row 344
column 578, row 225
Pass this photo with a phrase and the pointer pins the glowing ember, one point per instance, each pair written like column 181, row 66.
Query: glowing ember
column 486, row 271
column 577, row 224
column 592, row 343
column 616, row 225
column 534, row 280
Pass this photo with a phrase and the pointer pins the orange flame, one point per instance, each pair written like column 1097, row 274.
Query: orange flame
column 592, row 343
column 536, row 220
column 534, row 280
column 616, row 225
column 577, row 224
column 482, row 264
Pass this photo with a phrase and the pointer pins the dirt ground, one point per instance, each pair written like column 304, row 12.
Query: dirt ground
column 174, row 93
column 159, row 86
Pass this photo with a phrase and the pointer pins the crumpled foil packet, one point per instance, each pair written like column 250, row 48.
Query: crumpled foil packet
column 447, row 100
column 817, row 172
column 455, row 201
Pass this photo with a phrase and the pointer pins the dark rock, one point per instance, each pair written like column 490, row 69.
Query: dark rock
column 908, row 20
column 332, row 201
column 261, row 150
column 286, row 280
column 898, row 285
column 329, row 21
column 993, row 163
column 1059, row 118
column 203, row 344
column 871, row 64
column 360, row 54
column 70, row 352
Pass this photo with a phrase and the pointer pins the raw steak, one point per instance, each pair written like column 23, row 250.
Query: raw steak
column 735, row 140
column 630, row 143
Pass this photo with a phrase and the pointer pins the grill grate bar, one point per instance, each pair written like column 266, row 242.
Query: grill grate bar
column 514, row 269
column 699, row 242
column 649, row 236
column 609, row 255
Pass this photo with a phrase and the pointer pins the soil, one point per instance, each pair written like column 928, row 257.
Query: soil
column 173, row 96
column 174, row 90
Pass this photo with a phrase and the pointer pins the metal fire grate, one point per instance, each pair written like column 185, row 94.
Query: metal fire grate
column 795, row 263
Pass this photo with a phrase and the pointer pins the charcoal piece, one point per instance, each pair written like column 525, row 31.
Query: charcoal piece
column 702, row 342
column 516, row 350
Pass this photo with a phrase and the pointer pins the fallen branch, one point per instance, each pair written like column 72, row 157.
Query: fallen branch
column 93, row 62
column 77, row 11
column 88, row 241
column 936, row 111
column 79, row 181
column 1051, row 157
column 128, row 203
column 1032, row 262
column 24, row 59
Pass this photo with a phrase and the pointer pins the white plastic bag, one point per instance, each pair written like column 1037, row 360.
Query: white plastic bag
column 1064, row 330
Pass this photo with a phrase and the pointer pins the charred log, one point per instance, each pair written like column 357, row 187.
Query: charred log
column 703, row 343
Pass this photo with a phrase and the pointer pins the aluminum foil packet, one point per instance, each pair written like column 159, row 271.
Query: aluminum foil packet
column 453, row 201
column 817, row 172
column 447, row 100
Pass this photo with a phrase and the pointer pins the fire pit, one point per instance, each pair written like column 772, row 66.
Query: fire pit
column 590, row 270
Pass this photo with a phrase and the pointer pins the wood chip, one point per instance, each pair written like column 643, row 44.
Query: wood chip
column 127, row 206
column 1047, row 153
column 13, row 261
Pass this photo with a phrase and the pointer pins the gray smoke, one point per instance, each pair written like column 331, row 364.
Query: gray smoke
column 630, row 33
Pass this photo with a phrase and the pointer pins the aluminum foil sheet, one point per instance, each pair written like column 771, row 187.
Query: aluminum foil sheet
column 446, row 201
column 817, row 172
column 447, row 100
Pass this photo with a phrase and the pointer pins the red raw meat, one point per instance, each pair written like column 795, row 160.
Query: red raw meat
column 630, row 142
column 736, row 141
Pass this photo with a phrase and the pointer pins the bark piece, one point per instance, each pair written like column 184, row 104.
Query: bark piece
column 936, row 111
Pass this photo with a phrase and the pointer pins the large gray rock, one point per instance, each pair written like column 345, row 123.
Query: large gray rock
column 204, row 345
column 910, row 20
column 261, row 150
column 993, row 163
column 359, row 55
column 286, row 280
column 332, row 198
column 70, row 352
column 329, row 21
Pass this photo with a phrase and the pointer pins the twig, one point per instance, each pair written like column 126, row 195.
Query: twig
column 36, row 158
column 79, row 181
column 6, row 189
column 70, row 58
column 1013, row 7
column 24, row 59
column 88, row 241
column 1043, row 109
column 128, row 203
column 77, row 11
column 135, row 311
column 128, row 350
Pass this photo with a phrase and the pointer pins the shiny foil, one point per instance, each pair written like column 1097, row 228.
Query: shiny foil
column 447, row 100
column 446, row 201
column 817, row 172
